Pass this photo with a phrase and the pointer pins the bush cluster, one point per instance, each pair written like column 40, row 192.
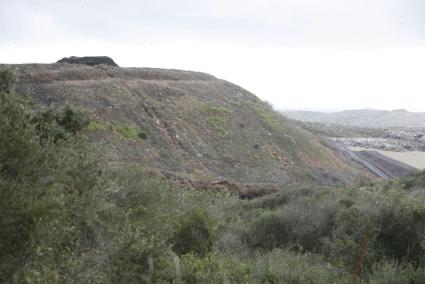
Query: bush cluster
column 58, row 124
column 358, row 229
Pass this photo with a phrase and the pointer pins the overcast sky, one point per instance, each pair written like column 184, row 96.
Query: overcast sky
column 296, row 54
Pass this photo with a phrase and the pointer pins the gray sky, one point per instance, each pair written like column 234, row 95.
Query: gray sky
column 296, row 54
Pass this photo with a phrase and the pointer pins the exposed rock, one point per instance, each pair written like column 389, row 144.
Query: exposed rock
column 89, row 60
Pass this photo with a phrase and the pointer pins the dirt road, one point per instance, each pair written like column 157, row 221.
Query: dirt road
column 392, row 168
column 380, row 165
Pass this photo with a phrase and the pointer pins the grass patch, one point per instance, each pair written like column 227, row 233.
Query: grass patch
column 214, row 110
column 97, row 125
column 269, row 118
column 218, row 123
column 216, row 117
column 121, row 129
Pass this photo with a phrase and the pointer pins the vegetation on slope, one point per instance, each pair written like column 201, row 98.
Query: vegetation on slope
column 187, row 124
column 120, row 129
column 69, row 218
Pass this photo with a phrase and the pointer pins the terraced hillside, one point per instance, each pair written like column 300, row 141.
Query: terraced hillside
column 190, row 126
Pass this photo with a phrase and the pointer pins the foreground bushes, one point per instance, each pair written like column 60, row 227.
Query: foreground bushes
column 354, row 229
column 69, row 218
column 277, row 266
column 49, row 198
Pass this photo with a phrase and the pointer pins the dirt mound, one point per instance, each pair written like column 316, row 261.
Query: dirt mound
column 89, row 60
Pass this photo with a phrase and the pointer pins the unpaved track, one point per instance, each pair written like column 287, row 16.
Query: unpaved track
column 378, row 164
column 414, row 159
column 390, row 167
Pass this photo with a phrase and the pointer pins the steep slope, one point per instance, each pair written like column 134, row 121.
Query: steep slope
column 188, row 125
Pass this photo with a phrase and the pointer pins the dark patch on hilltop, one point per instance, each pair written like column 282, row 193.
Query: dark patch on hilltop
column 89, row 60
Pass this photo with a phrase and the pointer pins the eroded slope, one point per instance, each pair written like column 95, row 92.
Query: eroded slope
column 186, row 124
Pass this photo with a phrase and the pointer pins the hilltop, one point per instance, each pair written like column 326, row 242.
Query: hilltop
column 190, row 126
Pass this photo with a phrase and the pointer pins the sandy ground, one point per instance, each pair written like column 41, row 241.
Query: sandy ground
column 414, row 158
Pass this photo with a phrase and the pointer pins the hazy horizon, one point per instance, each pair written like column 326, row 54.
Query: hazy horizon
column 352, row 109
column 327, row 55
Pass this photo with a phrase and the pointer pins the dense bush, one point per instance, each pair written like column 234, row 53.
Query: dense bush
column 302, row 223
column 277, row 266
column 7, row 80
column 48, row 199
column 143, row 135
column 353, row 229
column 391, row 272
column 58, row 124
column 194, row 234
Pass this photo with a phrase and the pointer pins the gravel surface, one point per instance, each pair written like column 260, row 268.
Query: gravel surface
column 414, row 158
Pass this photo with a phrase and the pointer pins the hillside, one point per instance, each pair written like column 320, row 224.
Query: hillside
column 370, row 118
column 191, row 126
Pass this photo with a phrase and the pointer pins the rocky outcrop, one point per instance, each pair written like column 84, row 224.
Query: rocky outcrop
column 89, row 60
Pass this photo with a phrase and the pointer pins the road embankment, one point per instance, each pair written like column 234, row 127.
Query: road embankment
column 392, row 168
column 378, row 164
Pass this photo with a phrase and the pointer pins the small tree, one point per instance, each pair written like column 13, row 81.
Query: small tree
column 7, row 80
column 194, row 234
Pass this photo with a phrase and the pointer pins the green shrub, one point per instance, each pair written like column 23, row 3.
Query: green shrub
column 268, row 231
column 214, row 268
column 19, row 149
column 7, row 80
column 277, row 266
column 145, row 217
column 58, row 124
column 402, row 227
column 390, row 272
column 194, row 234
column 143, row 135
column 302, row 223
column 396, row 221
column 72, row 121
column 48, row 198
